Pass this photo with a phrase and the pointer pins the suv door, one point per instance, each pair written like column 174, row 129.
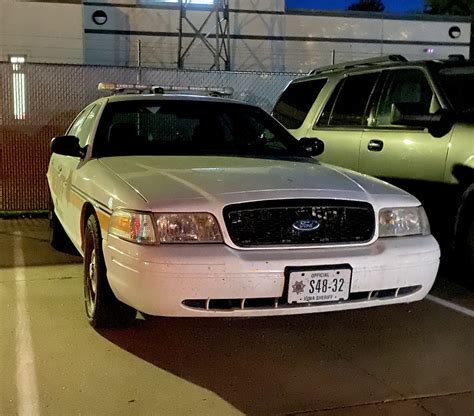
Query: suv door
column 343, row 119
column 400, row 152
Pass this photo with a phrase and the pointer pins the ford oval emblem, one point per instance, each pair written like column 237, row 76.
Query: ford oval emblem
column 306, row 225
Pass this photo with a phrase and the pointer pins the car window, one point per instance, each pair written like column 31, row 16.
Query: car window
column 84, row 123
column 87, row 125
column 295, row 102
column 405, row 86
column 77, row 123
column 175, row 127
column 349, row 101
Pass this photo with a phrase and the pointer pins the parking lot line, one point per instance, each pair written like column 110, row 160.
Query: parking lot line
column 451, row 305
column 26, row 382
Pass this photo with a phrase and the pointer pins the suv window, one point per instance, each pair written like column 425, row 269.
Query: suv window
column 348, row 105
column 295, row 102
column 405, row 86
column 456, row 82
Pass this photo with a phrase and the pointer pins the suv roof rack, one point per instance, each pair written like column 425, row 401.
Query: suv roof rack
column 362, row 62
column 163, row 89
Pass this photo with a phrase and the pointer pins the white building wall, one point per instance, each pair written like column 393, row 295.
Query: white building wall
column 44, row 32
column 263, row 36
column 260, row 5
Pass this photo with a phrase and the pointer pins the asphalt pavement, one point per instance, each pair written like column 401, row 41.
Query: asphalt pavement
column 414, row 359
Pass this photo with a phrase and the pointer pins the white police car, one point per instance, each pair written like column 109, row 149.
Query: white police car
column 203, row 206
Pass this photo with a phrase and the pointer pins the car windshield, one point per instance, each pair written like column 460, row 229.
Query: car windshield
column 190, row 127
column 457, row 81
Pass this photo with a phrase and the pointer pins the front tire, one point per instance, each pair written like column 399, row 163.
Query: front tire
column 103, row 309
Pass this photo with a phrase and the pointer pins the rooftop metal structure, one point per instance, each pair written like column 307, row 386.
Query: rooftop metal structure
column 217, row 39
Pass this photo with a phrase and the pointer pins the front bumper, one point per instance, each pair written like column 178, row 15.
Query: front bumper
column 157, row 279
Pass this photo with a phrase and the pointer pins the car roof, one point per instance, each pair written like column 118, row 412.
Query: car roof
column 171, row 97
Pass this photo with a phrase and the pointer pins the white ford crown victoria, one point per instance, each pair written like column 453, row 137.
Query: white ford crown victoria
column 199, row 206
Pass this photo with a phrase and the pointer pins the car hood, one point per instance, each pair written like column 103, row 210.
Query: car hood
column 192, row 182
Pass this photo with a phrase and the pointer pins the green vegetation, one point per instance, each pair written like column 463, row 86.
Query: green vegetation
column 450, row 7
column 368, row 6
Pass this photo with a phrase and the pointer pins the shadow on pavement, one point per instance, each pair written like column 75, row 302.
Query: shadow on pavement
column 258, row 371
column 33, row 236
column 279, row 365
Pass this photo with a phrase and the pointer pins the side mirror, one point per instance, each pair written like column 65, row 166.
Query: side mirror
column 312, row 146
column 67, row 146
column 411, row 114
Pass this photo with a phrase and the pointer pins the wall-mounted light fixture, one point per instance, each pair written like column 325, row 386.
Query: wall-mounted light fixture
column 454, row 32
column 19, row 87
column 99, row 17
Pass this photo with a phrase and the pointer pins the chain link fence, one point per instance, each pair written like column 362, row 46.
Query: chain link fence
column 39, row 101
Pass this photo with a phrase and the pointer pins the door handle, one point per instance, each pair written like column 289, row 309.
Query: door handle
column 375, row 145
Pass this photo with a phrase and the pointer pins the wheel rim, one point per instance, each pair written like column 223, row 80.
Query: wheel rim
column 91, row 284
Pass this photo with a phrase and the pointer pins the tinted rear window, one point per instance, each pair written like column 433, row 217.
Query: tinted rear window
column 295, row 102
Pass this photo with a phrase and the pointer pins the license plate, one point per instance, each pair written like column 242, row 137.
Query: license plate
column 319, row 285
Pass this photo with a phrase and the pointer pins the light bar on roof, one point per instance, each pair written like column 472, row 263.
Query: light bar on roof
column 163, row 89
column 112, row 87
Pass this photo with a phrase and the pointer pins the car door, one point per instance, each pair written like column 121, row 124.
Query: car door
column 342, row 121
column 72, row 201
column 402, row 153
column 57, row 171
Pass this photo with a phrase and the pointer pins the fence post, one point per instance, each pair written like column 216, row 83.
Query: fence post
column 139, row 61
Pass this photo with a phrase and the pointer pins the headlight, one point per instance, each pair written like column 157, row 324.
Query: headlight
column 398, row 222
column 132, row 226
column 188, row 228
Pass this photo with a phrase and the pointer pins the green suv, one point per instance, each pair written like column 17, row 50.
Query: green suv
column 410, row 123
